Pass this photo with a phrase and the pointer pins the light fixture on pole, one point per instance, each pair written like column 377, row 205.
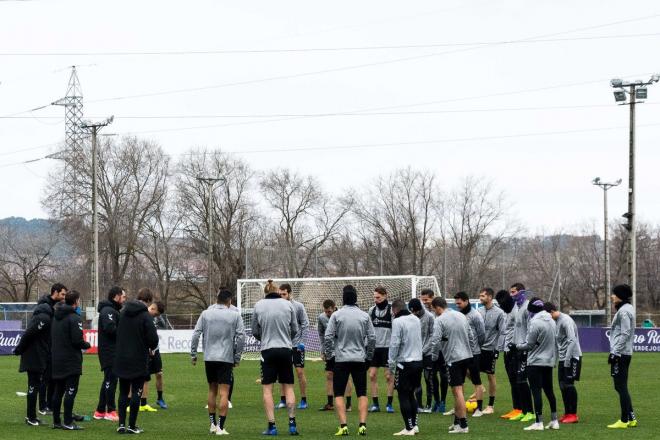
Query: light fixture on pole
column 637, row 91
column 605, row 186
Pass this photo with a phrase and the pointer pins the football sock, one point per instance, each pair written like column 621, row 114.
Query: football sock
column 292, row 421
column 348, row 402
column 491, row 401
column 480, row 404
column 462, row 422
column 160, row 395
column 375, row 400
column 389, row 400
column 283, row 399
column 222, row 421
column 143, row 401
column 212, row 418
column 329, row 399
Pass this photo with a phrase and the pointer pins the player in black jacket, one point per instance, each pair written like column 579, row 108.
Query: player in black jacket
column 136, row 335
column 34, row 349
column 67, row 343
column 107, row 333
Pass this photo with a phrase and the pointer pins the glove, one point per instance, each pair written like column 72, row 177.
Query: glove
column 512, row 346
column 496, row 355
column 193, row 360
column 301, row 347
column 613, row 359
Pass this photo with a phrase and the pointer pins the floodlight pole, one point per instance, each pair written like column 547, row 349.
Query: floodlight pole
column 210, row 183
column 605, row 186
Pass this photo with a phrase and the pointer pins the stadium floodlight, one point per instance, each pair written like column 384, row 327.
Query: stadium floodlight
column 656, row 77
column 616, row 82
column 596, row 181
column 619, row 95
column 641, row 93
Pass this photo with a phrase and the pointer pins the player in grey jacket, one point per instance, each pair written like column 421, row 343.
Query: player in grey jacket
column 494, row 320
column 451, row 335
column 506, row 302
column 405, row 362
column 381, row 318
column 426, row 320
column 477, row 335
column 570, row 361
column 350, row 339
column 223, row 336
column 298, row 347
column 541, row 346
column 520, row 318
column 275, row 325
column 622, row 336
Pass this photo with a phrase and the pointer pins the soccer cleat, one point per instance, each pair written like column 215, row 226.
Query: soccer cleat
column 121, row 429
column 45, row 411
column 632, row 423
column 374, row 408
column 458, row 430
column 280, row 405
column 78, row 417
column 511, row 414
column 270, row 431
column 477, row 413
column 554, row 424
column 425, row 410
column 489, row 410
column 343, row 430
column 213, row 429
column 147, row 408
column 618, row 425
column 416, row 429
column 362, row 430
column 327, row 407
column 111, row 416
column 389, row 409
column 72, row 427
column 293, row 430
column 32, row 422
column 448, row 413
column 161, row 403
column 57, row 426
column 536, row 426
column 570, row 418
column 302, row 404
column 529, row 417
column 134, row 430
column 404, row 431
column 348, row 409
column 222, row 432
column 98, row 415
column 439, row 407
column 452, row 427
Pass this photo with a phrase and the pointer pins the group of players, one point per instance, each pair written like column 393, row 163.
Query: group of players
column 51, row 354
column 425, row 338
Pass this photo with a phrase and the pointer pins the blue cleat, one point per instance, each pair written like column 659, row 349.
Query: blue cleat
column 293, row 430
column 161, row 403
column 302, row 404
column 374, row 408
column 439, row 407
column 270, row 431
column 389, row 409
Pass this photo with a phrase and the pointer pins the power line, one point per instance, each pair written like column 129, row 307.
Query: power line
column 322, row 49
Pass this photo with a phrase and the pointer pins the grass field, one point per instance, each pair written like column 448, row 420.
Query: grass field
column 185, row 392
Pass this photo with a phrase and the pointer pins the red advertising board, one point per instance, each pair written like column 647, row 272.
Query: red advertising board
column 92, row 337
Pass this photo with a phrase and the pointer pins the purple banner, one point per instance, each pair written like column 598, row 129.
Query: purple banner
column 596, row 339
column 8, row 340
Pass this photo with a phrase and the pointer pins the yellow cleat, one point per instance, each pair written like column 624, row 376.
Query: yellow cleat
column 147, row 408
column 362, row 430
column 343, row 430
column 618, row 425
column 632, row 424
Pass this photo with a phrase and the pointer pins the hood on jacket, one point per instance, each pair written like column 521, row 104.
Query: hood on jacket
column 543, row 316
column 107, row 303
column 43, row 308
column 62, row 310
column 134, row 307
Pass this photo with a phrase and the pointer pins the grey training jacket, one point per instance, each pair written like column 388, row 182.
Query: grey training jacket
column 321, row 325
column 521, row 322
column 451, row 334
column 406, row 340
column 541, row 342
column 507, row 335
column 350, row 336
column 494, row 323
column 303, row 322
column 476, row 322
column 622, row 333
column 568, row 342
column 223, row 335
column 274, row 322
column 426, row 323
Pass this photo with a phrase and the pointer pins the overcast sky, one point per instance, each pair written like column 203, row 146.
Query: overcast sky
column 528, row 107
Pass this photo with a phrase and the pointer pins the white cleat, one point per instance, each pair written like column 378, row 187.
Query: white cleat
column 221, row 432
column 538, row 426
column 404, row 431
column 229, row 405
column 488, row 410
column 552, row 425
column 459, row 430
column 477, row 413
column 426, row 410
column 452, row 427
column 213, row 429
column 416, row 429
column 448, row 413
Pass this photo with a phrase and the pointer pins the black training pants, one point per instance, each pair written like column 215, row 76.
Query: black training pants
column 540, row 379
column 510, row 367
column 107, row 392
column 46, row 389
column 65, row 389
column 619, row 371
column 34, row 382
column 567, row 387
column 134, row 387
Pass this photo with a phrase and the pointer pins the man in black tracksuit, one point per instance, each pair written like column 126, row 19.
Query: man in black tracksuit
column 68, row 341
column 47, row 387
column 107, row 334
column 34, row 349
column 136, row 335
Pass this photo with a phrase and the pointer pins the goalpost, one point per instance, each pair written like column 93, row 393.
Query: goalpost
column 313, row 291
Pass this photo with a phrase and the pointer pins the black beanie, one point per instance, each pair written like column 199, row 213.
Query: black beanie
column 349, row 295
column 415, row 305
column 535, row 305
column 504, row 299
column 623, row 292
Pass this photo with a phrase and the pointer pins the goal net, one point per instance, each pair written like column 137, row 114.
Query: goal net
column 311, row 292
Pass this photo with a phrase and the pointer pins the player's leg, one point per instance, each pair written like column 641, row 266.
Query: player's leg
column 549, row 392
column 302, row 382
column 535, row 377
column 524, row 390
column 389, row 378
column 373, row 386
column 223, row 404
column 510, row 367
column 71, row 384
column 329, row 392
column 340, row 379
column 475, row 378
column 267, row 394
column 34, row 381
column 286, row 378
column 349, row 390
column 124, row 389
column 144, row 404
column 359, row 380
column 159, row 389
column 211, row 400
column 137, row 385
column 402, row 385
column 460, row 413
column 492, row 390
column 56, row 402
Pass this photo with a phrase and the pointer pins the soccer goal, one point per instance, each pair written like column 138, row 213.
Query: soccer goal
column 313, row 291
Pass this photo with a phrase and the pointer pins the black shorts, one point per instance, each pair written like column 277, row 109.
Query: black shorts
column 521, row 367
column 475, row 377
column 488, row 361
column 155, row 363
column 330, row 364
column 568, row 375
column 381, row 355
column 298, row 357
column 357, row 371
column 276, row 366
column 457, row 371
column 408, row 378
column 219, row 372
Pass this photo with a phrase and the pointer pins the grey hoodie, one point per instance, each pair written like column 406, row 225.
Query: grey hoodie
column 406, row 340
column 622, row 334
column 350, row 336
column 274, row 322
column 478, row 333
column 451, row 334
column 321, row 325
column 508, row 331
column 568, row 342
column 223, row 335
column 494, row 324
column 303, row 322
column 541, row 342
column 521, row 322
column 426, row 322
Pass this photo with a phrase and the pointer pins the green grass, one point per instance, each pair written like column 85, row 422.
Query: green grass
column 185, row 392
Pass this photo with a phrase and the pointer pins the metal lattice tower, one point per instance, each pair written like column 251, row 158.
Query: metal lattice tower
column 73, row 113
